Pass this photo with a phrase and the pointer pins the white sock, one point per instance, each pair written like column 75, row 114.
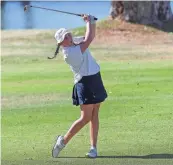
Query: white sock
column 92, row 147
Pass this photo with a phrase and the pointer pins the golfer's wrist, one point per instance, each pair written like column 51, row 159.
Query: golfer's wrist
column 92, row 19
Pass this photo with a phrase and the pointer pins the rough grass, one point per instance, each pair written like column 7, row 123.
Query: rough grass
column 135, row 121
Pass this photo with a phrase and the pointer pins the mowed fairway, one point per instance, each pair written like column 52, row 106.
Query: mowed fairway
column 136, row 121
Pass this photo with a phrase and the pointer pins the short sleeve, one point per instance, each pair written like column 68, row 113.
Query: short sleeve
column 78, row 40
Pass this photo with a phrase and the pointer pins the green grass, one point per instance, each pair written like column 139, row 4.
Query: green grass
column 135, row 121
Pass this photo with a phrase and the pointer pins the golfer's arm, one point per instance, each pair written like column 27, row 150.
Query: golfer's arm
column 89, row 36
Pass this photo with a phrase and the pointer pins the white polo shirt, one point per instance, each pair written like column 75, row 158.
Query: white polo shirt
column 80, row 64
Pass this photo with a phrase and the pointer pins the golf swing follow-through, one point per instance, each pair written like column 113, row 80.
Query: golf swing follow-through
column 88, row 90
column 60, row 11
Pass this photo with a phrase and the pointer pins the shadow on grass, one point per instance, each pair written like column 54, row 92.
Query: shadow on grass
column 152, row 156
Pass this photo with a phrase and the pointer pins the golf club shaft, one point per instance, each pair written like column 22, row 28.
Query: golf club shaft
column 59, row 11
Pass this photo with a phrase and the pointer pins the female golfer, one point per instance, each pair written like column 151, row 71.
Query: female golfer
column 88, row 90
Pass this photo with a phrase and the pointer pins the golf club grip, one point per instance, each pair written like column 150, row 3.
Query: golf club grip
column 81, row 15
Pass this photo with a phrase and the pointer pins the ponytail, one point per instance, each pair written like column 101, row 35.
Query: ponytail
column 56, row 52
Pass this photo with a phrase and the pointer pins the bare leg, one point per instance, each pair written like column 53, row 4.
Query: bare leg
column 86, row 114
column 94, row 125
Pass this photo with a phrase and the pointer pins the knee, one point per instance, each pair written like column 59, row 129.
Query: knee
column 85, row 119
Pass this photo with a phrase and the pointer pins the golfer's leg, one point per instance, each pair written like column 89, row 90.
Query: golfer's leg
column 94, row 125
column 86, row 114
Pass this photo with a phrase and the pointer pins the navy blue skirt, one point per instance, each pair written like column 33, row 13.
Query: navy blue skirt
column 89, row 90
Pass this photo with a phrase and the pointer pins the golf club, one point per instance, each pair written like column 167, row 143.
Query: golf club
column 80, row 15
column 28, row 6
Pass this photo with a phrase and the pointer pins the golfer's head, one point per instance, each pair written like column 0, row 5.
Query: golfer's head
column 63, row 37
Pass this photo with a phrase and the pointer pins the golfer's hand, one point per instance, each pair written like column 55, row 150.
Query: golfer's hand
column 86, row 17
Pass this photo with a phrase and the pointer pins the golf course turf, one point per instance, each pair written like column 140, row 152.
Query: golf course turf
column 136, row 120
